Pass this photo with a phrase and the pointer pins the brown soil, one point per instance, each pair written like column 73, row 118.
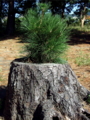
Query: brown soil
column 10, row 50
column 82, row 72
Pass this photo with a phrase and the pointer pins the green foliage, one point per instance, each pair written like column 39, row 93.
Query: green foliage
column 17, row 23
column 61, row 7
column 46, row 35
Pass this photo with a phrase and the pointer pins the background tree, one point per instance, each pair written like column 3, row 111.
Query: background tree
column 83, row 8
column 11, row 18
column 16, row 6
column 0, row 11
column 3, row 13
column 22, row 5
column 61, row 7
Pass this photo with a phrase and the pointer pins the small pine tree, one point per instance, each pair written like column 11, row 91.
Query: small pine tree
column 46, row 34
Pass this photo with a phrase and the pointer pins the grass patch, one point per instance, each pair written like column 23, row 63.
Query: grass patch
column 79, row 28
column 82, row 59
column 65, row 56
column 1, row 78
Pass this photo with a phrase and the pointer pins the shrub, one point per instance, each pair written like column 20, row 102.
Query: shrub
column 46, row 35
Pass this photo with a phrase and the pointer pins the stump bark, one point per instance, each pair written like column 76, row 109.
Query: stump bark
column 44, row 92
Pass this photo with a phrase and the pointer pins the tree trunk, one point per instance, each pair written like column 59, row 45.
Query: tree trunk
column 83, row 21
column 83, row 16
column 1, row 14
column 44, row 92
column 11, row 19
column 63, row 8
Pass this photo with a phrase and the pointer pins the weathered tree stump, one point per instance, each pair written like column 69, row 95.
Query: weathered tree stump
column 44, row 92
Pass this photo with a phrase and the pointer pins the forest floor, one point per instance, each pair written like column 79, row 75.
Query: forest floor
column 79, row 47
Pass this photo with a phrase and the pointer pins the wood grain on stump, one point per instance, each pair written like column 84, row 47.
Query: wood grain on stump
column 44, row 92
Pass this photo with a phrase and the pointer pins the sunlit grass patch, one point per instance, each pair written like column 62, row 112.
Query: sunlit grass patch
column 65, row 56
column 1, row 78
column 82, row 59
column 79, row 28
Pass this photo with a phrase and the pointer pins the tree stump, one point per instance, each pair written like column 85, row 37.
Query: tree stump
column 44, row 92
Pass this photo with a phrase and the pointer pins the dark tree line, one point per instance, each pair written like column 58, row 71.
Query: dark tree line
column 11, row 18
column 11, row 7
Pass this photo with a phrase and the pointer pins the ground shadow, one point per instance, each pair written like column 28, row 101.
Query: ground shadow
column 6, row 37
column 79, row 37
column 2, row 99
column 76, row 37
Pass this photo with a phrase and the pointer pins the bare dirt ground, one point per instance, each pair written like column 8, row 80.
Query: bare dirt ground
column 82, row 72
column 10, row 50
